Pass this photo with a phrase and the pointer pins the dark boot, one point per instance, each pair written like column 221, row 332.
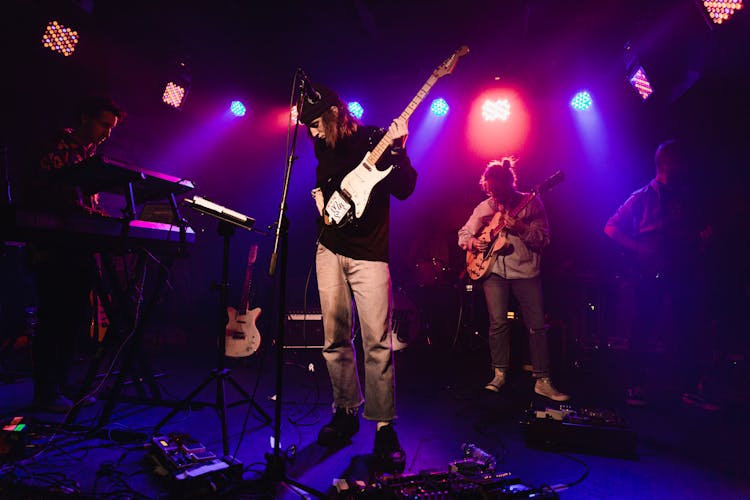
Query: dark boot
column 343, row 425
column 388, row 451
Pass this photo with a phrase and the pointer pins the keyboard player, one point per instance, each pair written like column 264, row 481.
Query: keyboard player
column 64, row 275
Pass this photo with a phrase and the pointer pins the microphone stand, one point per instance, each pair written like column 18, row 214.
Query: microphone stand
column 275, row 472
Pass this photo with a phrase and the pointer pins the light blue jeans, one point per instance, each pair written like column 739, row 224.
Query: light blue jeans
column 369, row 283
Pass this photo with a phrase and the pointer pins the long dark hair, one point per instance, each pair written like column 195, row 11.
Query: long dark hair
column 338, row 123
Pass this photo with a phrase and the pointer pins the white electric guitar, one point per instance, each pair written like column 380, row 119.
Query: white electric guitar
column 242, row 336
column 350, row 200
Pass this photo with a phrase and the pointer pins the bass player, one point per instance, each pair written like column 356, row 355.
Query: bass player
column 514, row 267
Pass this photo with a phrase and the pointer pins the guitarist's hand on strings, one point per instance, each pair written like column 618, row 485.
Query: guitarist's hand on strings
column 476, row 245
column 514, row 225
column 398, row 131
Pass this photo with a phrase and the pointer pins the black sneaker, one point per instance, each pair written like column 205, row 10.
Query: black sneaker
column 388, row 451
column 340, row 429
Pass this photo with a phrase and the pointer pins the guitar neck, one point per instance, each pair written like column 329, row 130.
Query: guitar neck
column 245, row 300
column 384, row 143
column 524, row 203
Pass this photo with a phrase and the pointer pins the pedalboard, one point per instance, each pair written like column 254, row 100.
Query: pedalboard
column 583, row 430
column 189, row 467
column 445, row 486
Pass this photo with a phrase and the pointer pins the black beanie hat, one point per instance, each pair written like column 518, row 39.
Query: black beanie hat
column 313, row 107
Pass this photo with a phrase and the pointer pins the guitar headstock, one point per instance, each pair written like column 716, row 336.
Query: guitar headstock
column 449, row 64
column 252, row 254
column 551, row 182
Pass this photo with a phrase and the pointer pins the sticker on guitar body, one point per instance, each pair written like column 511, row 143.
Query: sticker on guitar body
column 337, row 207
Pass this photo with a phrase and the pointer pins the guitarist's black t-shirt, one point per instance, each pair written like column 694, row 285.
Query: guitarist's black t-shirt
column 365, row 238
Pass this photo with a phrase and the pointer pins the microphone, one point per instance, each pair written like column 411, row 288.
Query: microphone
column 310, row 94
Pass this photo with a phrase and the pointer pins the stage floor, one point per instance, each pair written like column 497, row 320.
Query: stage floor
column 682, row 452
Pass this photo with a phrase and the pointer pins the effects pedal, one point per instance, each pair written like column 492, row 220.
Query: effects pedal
column 584, row 430
column 189, row 468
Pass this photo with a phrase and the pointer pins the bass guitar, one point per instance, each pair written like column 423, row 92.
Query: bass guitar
column 242, row 336
column 350, row 200
column 495, row 234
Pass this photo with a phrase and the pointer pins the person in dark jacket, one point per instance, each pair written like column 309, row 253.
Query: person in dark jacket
column 352, row 264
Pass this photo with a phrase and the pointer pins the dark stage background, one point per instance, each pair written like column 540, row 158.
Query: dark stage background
column 380, row 53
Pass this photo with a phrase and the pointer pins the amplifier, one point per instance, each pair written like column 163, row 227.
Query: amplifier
column 304, row 330
column 583, row 430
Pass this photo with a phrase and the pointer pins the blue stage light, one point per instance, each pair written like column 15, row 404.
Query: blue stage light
column 237, row 108
column 439, row 107
column 356, row 109
column 581, row 101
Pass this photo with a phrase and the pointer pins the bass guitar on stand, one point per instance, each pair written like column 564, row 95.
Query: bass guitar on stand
column 243, row 337
column 495, row 234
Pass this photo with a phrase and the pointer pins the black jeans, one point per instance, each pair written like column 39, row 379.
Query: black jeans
column 528, row 292
column 63, row 280
column 658, row 299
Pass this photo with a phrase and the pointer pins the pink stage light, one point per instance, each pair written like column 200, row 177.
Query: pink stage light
column 640, row 83
column 498, row 122
column 294, row 115
column 496, row 110
column 60, row 39
column 173, row 95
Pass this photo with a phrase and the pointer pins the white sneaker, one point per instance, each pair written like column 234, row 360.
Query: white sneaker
column 544, row 387
column 496, row 383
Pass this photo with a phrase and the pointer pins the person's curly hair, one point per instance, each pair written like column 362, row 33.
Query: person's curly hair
column 498, row 172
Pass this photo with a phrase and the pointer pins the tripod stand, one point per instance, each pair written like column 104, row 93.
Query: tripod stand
column 220, row 374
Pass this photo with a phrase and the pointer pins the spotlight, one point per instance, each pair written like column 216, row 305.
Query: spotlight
column 640, row 83
column 493, row 111
column 60, row 39
column 356, row 109
column 237, row 108
column 721, row 11
column 439, row 107
column 178, row 84
column 581, row 101
column 173, row 95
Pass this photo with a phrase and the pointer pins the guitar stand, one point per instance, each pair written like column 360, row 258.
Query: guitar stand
column 220, row 374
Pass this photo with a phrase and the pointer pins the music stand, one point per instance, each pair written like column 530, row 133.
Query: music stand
column 228, row 220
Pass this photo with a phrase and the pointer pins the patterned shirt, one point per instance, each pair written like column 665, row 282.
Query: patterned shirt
column 65, row 151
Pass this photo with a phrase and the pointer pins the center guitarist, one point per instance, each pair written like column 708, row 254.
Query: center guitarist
column 513, row 260
column 352, row 262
